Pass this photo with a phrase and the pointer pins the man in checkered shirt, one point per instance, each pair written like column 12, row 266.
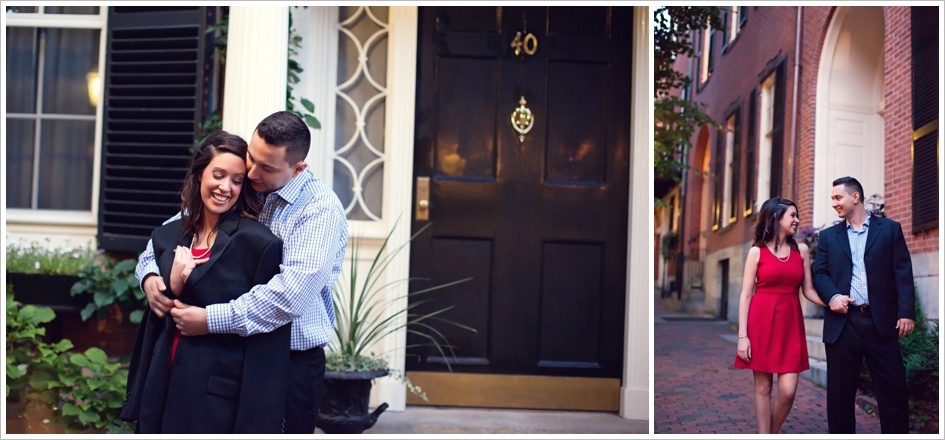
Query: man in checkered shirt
column 310, row 220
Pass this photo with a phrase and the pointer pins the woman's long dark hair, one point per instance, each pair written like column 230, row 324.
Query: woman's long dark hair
column 191, row 205
column 768, row 224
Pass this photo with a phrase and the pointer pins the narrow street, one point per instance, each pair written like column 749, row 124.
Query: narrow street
column 698, row 390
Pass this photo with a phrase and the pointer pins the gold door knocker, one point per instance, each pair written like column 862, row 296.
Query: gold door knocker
column 519, row 44
column 522, row 120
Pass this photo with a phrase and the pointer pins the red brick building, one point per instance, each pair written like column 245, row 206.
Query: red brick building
column 806, row 95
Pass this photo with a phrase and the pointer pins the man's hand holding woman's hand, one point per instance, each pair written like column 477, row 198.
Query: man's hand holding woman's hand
column 744, row 348
column 839, row 304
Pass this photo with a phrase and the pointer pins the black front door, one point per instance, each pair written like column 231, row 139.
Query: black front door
column 540, row 224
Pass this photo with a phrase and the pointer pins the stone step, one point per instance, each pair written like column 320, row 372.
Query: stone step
column 815, row 348
column 814, row 327
column 817, row 372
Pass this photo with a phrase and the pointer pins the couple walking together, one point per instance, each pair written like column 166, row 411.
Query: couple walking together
column 862, row 275
column 238, row 287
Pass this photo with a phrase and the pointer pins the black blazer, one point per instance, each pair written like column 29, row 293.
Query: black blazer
column 219, row 383
column 888, row 275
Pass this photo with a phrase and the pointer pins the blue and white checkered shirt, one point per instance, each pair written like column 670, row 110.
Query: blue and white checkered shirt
column 857, row 249
column 311, row 222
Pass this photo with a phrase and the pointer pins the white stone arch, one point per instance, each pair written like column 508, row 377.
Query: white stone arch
column 849, row 136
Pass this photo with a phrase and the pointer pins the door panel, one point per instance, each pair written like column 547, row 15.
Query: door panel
column 541, row 225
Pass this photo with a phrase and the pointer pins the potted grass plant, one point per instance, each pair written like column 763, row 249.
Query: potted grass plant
column 362, row 319
column 43, row 275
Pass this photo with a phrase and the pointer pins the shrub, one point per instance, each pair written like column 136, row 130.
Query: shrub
column 111, row 284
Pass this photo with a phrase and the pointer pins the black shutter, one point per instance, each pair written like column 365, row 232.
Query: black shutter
column 154, row 84
column 777, row 128
column 711, row 50
column 736, row 155
column 750, row 152
column 924, row 118
column 718, row 177
column 742, row 15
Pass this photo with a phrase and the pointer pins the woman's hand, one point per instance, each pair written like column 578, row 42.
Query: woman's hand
column 184, row 264
column 744, row 349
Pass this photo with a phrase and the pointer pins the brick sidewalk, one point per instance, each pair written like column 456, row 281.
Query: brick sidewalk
column 697, row 390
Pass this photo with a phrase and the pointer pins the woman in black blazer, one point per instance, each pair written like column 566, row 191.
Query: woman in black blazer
column 215, row 383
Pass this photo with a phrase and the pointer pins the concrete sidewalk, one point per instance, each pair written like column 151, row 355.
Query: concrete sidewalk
column 448, row 420
column 698, row 390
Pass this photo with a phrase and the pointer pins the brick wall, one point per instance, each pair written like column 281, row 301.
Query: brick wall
column 767, row 35
column 898, row 130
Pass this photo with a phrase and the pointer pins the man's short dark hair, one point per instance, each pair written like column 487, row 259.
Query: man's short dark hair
column 286, row 129
column 851, row 185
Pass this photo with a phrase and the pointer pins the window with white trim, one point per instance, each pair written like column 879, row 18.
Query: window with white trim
column 765, row 137
column 729, row 160
column 733, row 23
column 704, row 54
column 53, row 59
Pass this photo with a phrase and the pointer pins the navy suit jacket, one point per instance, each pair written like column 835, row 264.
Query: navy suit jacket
column 219, row 383
column 888, row 275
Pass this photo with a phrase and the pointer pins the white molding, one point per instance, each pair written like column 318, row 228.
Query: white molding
column 635, row 393
column 256, row 57
column 398, row 180
column 319, row 58
column 71, row 21
column 821, row 108
column 51, row 217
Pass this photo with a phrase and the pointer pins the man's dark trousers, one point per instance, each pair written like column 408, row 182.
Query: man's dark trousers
column 859, row 338
column 306, row 388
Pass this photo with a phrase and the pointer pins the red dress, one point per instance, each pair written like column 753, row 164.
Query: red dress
column 775, row 322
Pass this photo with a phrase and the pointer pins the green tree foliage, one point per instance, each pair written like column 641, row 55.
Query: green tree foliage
column 676, row 119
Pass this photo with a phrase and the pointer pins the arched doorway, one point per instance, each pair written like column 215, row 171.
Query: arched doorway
column 849, row 124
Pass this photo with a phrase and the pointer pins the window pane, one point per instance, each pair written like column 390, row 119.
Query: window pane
column 21, row 9
column 65, row 177
column 71, row 55
column 19, row 140
column 71, row 10
column 21, row 70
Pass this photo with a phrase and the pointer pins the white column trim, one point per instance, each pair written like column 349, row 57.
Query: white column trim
column 821, row 103
column 398, row 182
column 635, row 394
column 318, row 81
column 256, row 57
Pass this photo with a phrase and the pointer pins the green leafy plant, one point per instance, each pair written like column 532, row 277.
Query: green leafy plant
column 91, row 392
column 360, row 320
column 37, row 259
column 669, row 245
column 84, row 389
column 111, row 285
column 30, row 361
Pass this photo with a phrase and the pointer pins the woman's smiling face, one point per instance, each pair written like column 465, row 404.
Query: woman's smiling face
column 221, row 183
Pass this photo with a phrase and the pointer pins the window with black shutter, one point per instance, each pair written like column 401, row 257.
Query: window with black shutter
column 777, row 129
column 736, row 154
column 750, row 152
column 925, row 159
column 154, row 84
column 718, row 177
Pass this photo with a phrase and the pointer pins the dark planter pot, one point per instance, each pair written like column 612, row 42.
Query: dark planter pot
column 344, row 408
column 47, row 291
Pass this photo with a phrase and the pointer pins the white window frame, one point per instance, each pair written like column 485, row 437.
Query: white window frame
column 732, row 24
column 67, row 21
column 704, row 55
column 766, row 126
column 727, row 180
